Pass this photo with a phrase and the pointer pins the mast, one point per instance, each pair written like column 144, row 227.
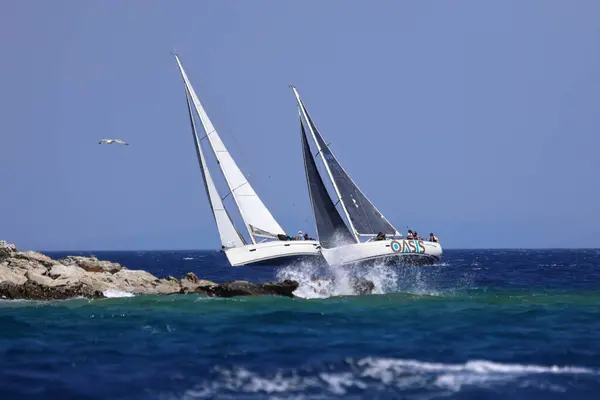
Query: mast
column 257, row 218
column 320, row 152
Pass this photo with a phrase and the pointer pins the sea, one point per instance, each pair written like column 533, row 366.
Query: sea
column 482, row 324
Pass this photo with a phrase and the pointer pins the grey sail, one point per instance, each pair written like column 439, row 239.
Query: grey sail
column 365, row 218
column 331, row 228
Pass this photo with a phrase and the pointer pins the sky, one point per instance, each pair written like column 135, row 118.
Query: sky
column 474, row 120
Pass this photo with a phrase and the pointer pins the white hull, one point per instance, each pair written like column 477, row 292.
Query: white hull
column 385, row 251
column 273, row 252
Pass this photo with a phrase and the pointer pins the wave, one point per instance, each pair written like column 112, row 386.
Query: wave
column 113, row 293
column 318, row 281
column 374, row 376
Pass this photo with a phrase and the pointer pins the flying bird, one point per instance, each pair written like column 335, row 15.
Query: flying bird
column 111, row 141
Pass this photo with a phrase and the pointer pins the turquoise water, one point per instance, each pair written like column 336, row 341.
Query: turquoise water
column 485, row 324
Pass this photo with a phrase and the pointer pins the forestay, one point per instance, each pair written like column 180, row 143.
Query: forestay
column 230, row 237
column 256, row 216
column 331, row 228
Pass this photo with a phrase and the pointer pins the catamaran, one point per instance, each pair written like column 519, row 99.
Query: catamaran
column 342, row 242
column 274, row 246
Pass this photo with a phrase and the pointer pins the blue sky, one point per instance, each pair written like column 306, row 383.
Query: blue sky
column 484, row 116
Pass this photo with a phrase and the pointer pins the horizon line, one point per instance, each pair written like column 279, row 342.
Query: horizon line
column 216, row 249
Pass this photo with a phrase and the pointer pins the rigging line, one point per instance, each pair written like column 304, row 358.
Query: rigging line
column 239, row 151
column 231, row 191
column 319, row 152
column 242, row 153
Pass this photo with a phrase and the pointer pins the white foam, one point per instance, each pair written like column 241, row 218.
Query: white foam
column 188, row 258
column 316, row 281
column 476, row 366
column 113, row 293
column 337, row 383
column 383, row 375
column 453, row 377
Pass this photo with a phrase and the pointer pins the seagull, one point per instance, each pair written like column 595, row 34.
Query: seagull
column 111, row 141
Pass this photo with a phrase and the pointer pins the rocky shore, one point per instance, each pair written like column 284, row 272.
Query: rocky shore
column 29, row 275
column 34, row 276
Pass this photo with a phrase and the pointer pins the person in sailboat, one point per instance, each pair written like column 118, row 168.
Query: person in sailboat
column 380, row 236
column 433, row 238
column 409, row 235
column 306, row 237
column 299, row 237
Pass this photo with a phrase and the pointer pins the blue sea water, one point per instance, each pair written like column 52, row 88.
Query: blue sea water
column 519, row 324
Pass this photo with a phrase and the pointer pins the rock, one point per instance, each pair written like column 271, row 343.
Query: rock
column 285, row 288
column 35, row 276
column 33, row 291
column 6, row 250
column 191, row 277
column 66, row 272
column 165, row 286
column 97, row 282
column 362, row 286
column 142, row 282
column 36, row 257
column 92, row 264
column 39, row 279
column 12, row 275
column 22, row 265
column 190, row 283
column 245, row 288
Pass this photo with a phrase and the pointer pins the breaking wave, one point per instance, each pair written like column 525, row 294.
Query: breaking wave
column 372, row 376
column 113, row 293
column 319, row 281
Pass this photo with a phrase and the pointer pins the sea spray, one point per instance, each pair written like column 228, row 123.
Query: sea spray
column 318, row 281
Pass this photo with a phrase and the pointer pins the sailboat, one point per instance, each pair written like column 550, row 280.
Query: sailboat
column 352, row 241
column 268, row 244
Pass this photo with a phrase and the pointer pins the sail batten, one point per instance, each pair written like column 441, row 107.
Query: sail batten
column 230, row 236
column 364, row 218
column 258, row 219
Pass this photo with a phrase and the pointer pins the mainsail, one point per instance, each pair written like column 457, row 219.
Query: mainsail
column 256, row 216
column 363, row 216
column 230, row 237
column 331, row 228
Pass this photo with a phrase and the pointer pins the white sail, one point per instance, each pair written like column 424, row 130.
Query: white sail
column 230, row 237
column 256, row 216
